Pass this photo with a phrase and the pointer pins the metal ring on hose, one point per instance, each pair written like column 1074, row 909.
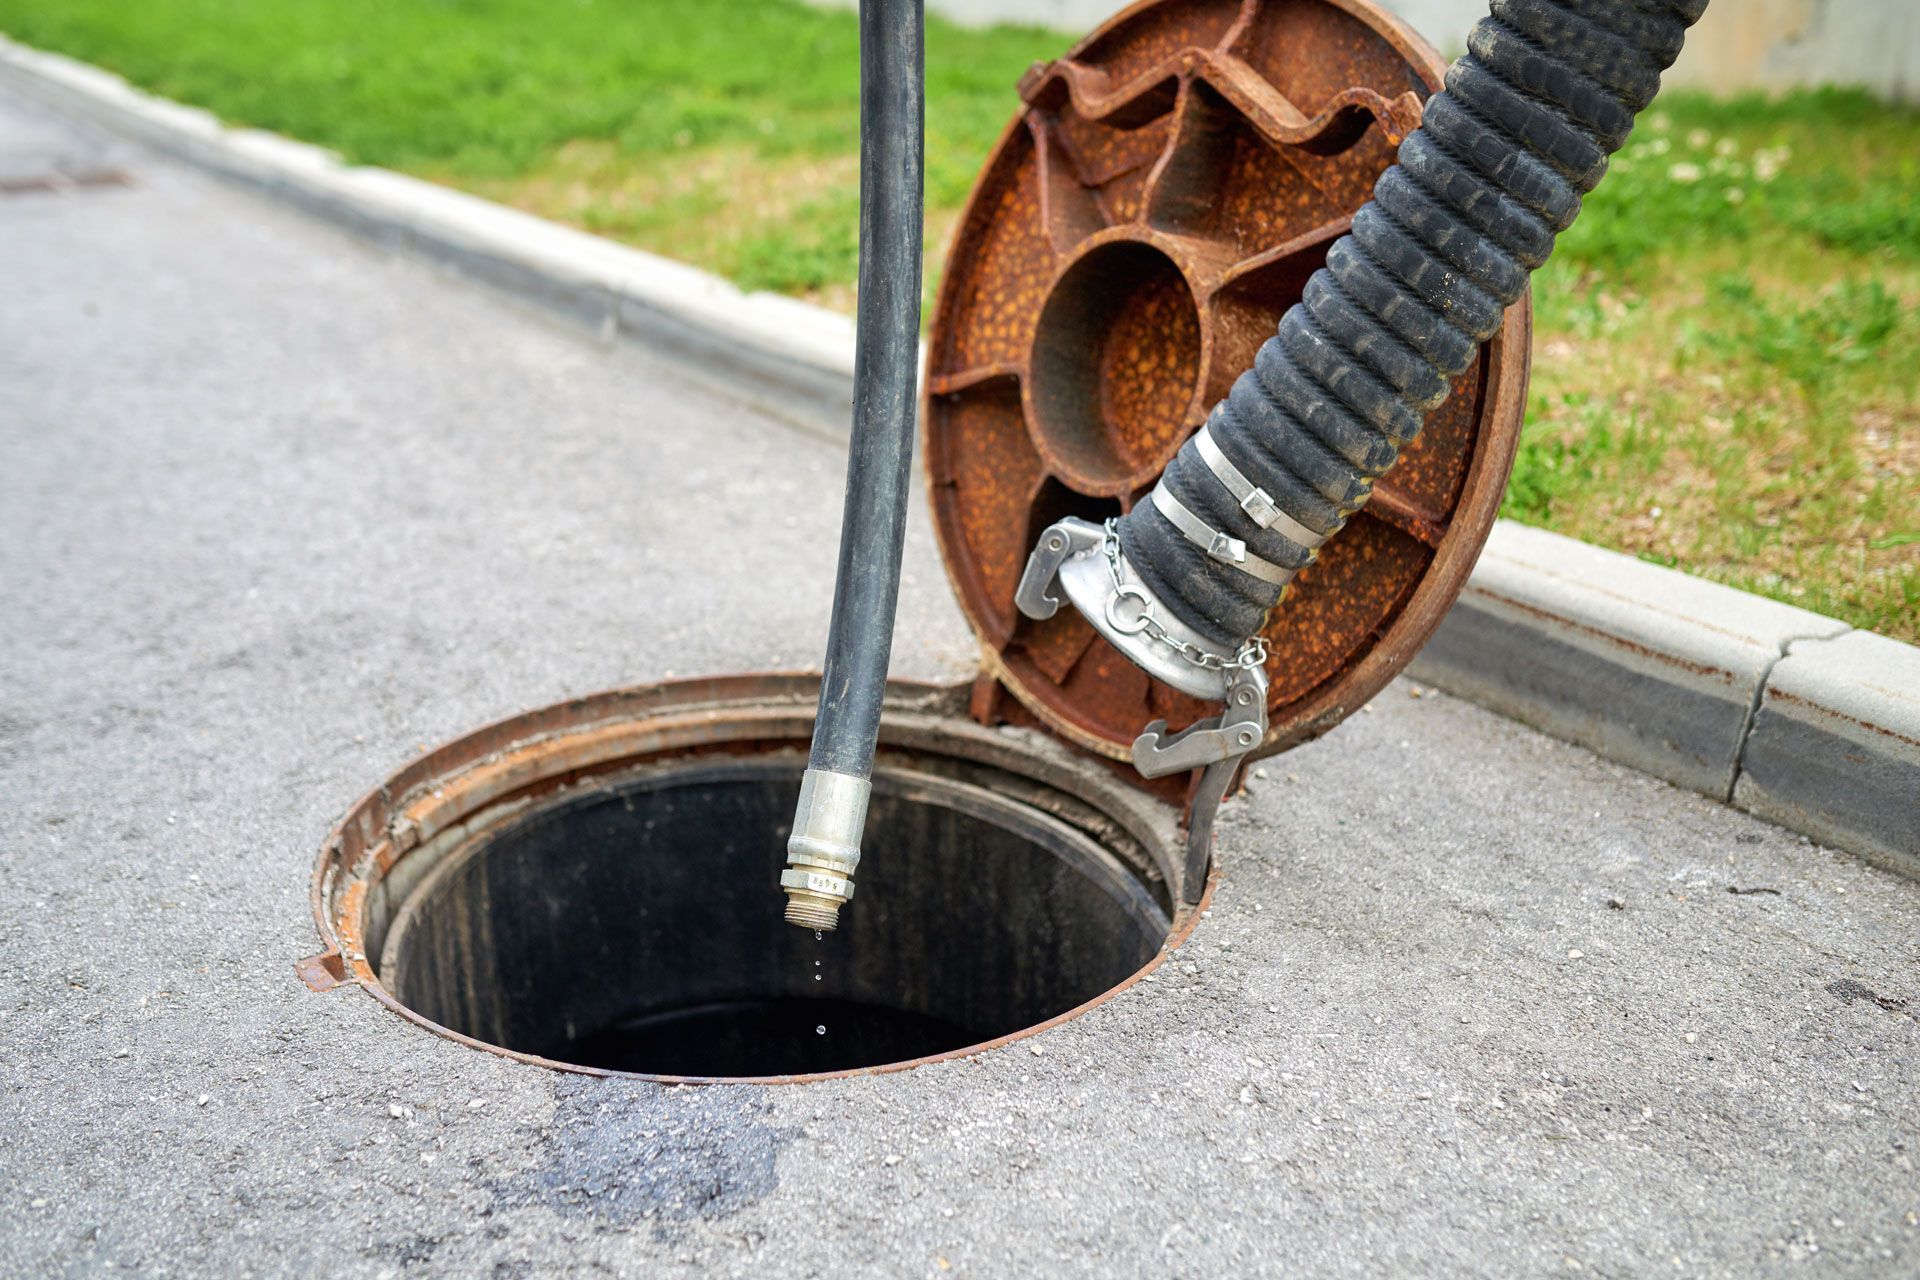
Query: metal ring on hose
column 1141, row 622
column 1227, row 550
column 1255, row 501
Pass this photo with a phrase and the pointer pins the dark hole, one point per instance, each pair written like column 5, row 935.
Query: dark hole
column 638, row 927
column 734, row 1038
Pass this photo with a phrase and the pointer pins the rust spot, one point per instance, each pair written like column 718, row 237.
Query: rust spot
column 1778, row 695
column 323, row 972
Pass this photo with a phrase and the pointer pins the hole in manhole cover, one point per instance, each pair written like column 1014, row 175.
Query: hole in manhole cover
column 605, row 896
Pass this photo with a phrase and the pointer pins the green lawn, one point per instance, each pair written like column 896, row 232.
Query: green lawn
column 1727, row 372
column 724, row 132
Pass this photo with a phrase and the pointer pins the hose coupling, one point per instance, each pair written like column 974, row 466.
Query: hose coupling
column 824, row 848
column 1086, row 562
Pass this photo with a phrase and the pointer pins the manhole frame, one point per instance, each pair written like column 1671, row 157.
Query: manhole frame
column 393, row 837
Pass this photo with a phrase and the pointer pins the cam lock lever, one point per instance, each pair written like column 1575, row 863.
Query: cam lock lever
column 1083, row 562
column 1211, row 743
column 1216, row 746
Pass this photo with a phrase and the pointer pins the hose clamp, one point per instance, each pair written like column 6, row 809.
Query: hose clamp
column 1220, row 546
column 1255, row 501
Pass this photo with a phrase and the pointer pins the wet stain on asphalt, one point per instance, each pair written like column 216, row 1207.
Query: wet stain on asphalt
column 624, row 1153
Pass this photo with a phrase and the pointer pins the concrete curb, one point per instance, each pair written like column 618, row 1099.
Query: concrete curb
column 1782, row 712
column 1645, row 665
column 1788, row 714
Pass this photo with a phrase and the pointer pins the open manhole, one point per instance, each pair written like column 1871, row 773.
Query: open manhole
column 595, row 885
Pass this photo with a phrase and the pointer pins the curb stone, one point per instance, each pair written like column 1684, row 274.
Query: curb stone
column 1784, row 713
column 1835, row 748
column 1644, row 665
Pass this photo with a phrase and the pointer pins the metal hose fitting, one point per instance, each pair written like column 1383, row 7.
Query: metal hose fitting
column 824, row 848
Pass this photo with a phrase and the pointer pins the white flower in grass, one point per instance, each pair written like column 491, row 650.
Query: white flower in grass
column 1685, row 174
column 1736, row 195
column 1699, row 139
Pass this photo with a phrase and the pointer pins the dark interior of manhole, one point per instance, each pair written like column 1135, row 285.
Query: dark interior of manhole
column 637, row 927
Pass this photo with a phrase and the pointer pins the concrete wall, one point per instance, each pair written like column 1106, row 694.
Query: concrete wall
column 1740, row 44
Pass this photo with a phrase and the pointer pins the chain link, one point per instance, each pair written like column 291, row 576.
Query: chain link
column 1252, row 654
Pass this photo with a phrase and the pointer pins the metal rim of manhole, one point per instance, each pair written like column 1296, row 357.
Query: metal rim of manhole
column 1140, row 228
column 401, row 864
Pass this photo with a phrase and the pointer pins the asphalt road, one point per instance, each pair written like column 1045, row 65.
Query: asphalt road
column 276, row 510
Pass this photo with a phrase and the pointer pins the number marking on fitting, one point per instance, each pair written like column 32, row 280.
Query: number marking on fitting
column 816, row 882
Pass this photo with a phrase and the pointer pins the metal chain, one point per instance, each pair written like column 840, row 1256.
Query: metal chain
column 1252, row 654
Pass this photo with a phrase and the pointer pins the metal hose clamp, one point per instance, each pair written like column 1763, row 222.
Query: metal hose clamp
column 1255, row 501
column 1222, row 547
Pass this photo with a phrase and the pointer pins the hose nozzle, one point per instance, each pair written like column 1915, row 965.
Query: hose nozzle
column 824, row 847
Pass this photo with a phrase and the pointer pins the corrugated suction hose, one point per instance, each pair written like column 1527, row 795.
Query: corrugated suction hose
column 1548, row 90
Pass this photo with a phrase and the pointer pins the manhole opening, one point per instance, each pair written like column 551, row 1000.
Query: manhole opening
column 634, row 924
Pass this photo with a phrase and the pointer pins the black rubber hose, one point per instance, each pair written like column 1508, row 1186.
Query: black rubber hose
column 1549, row 89
column 886, row 353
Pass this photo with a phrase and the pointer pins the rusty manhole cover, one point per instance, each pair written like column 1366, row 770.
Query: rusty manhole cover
column 1139, row 230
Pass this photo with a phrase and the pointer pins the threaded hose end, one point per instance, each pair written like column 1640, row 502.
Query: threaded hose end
column 812, row 911
column 824, row 847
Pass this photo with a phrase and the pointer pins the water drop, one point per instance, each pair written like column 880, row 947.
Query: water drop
column 818, row 978
column 820, row 1031
column 816, row 935
column 816, row 964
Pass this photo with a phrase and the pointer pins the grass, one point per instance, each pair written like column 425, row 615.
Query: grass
column 1727, row 376
column 724, row 132
column 1728, row 344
